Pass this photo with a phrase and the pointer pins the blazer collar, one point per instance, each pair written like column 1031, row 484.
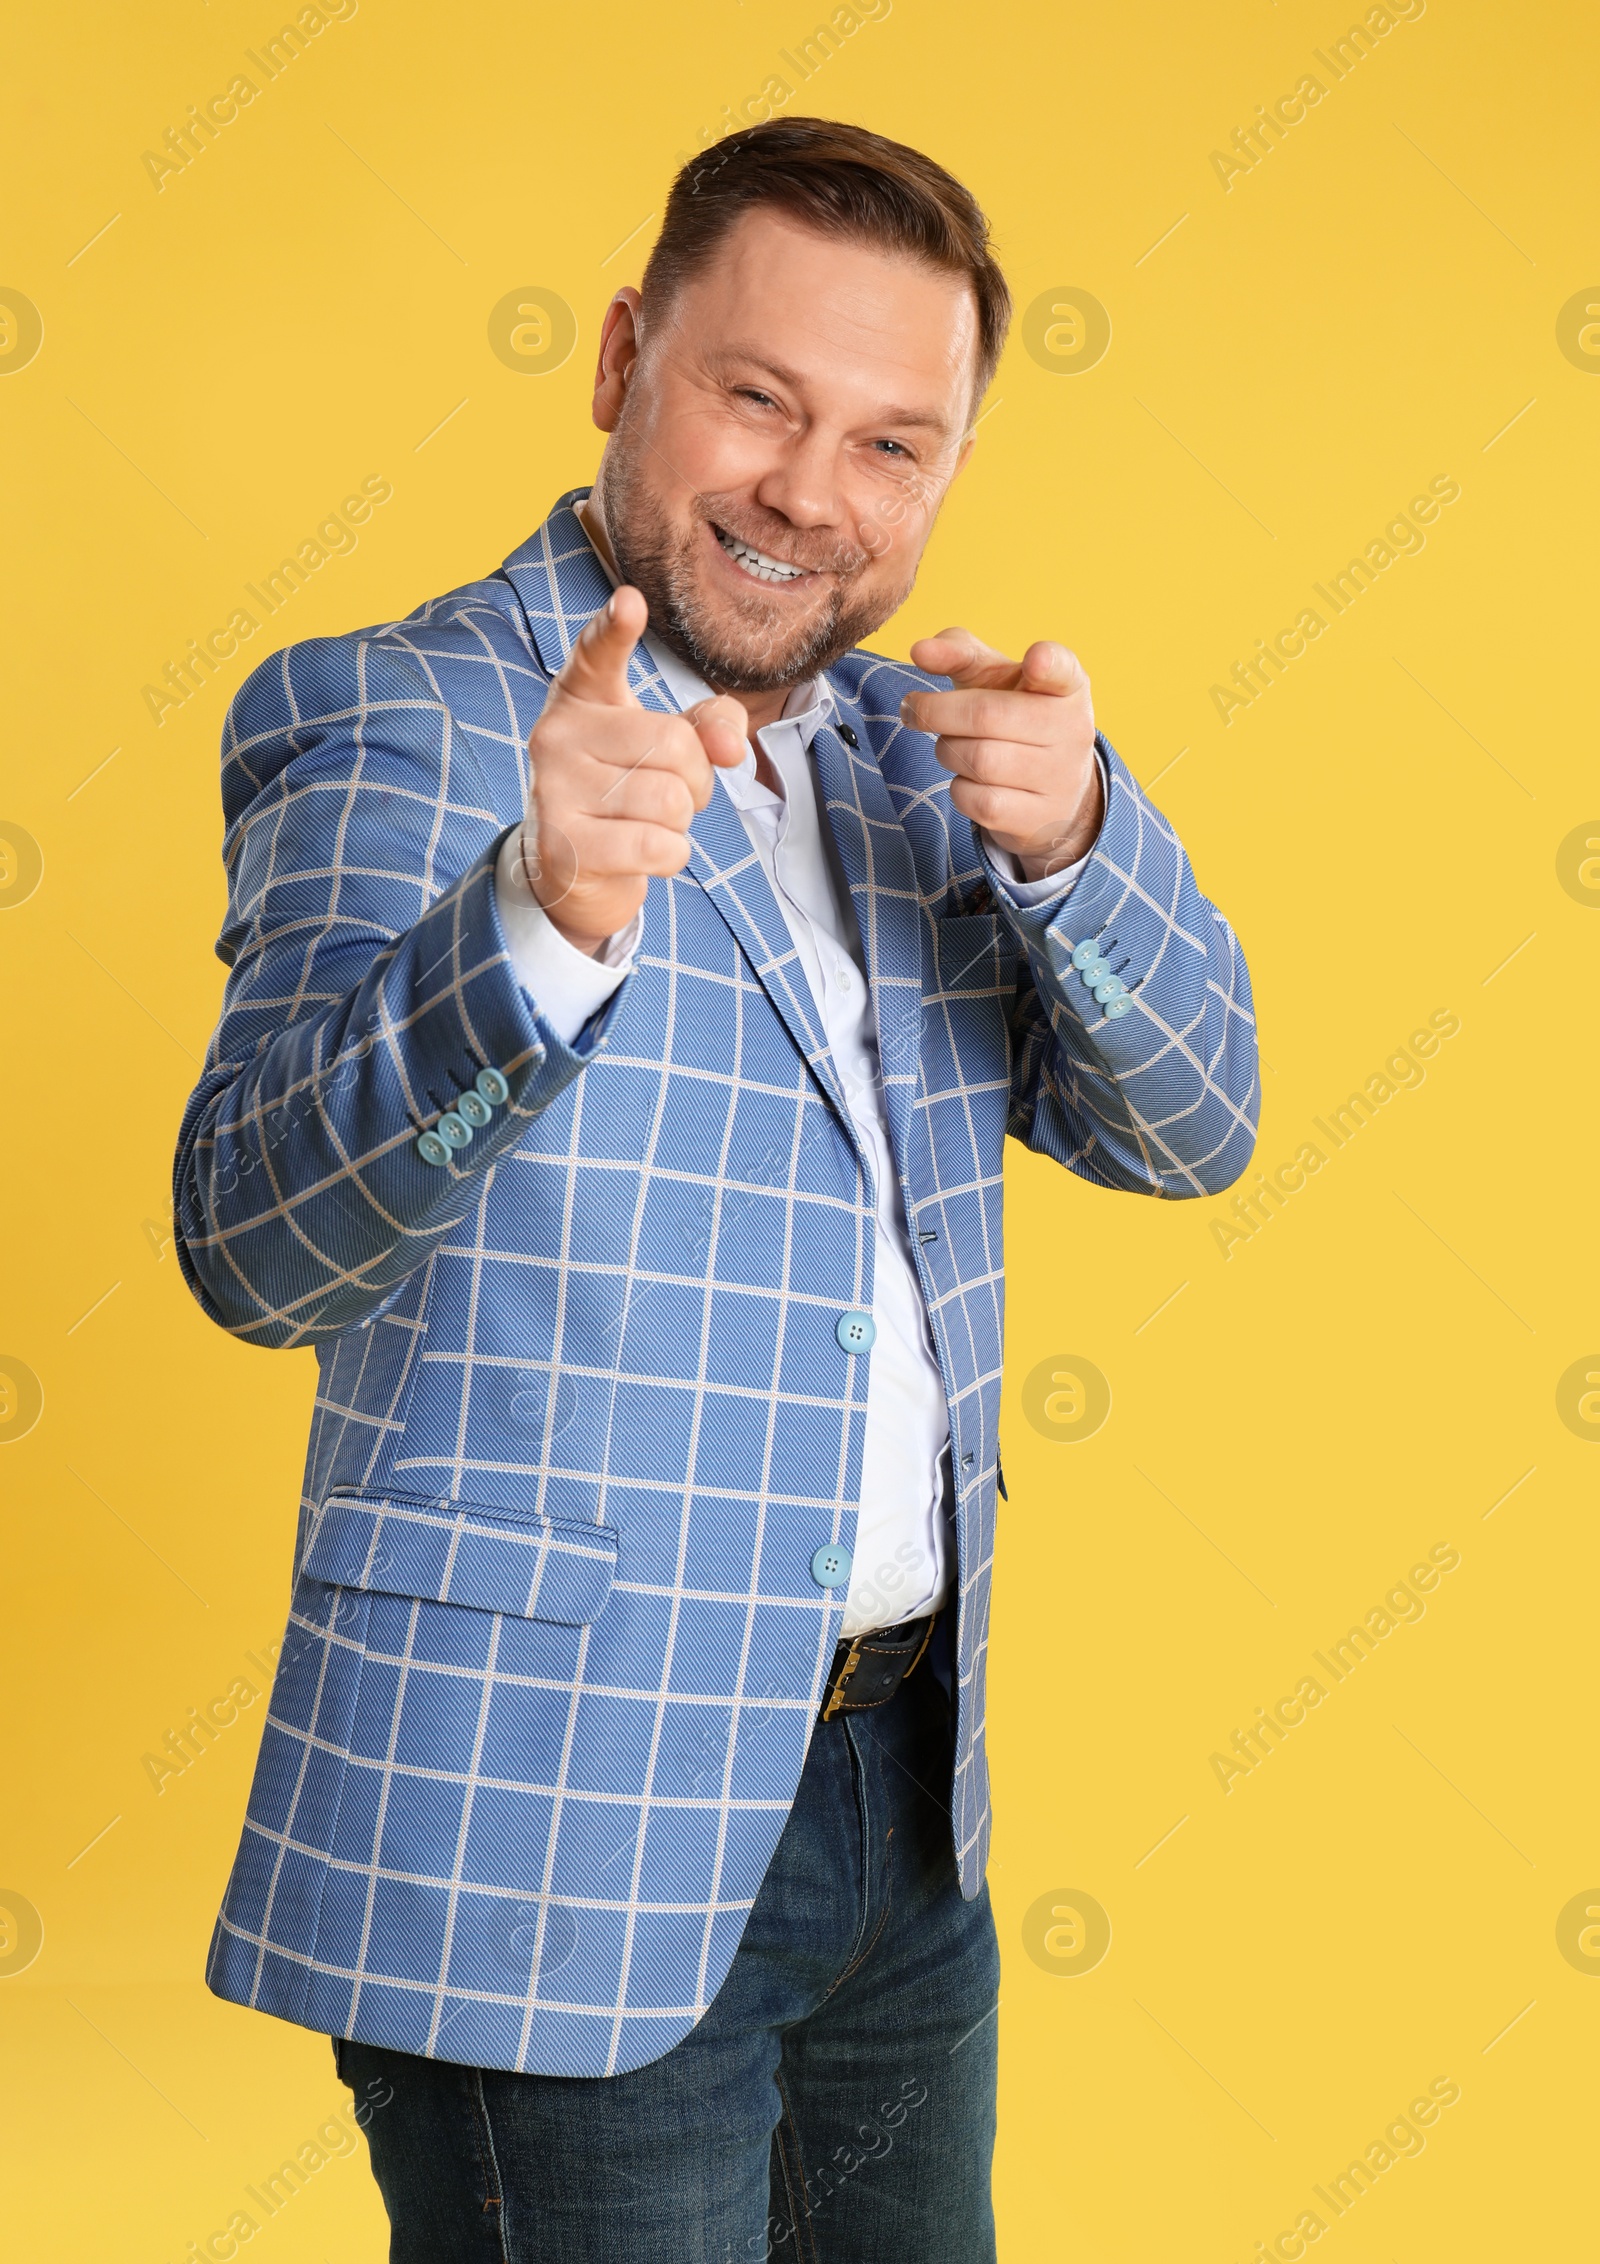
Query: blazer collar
column 561, row 585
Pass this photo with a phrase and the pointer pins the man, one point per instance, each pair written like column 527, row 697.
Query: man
column 632, row 985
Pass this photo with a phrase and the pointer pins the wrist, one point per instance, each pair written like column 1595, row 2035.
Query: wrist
column 1041, row 864
column 590, row 945
column 1074, row 842
column 522, row 874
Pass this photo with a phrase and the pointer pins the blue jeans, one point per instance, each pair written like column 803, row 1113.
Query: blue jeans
column 836, row 2104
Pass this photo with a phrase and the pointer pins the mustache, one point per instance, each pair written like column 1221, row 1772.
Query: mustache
column 819, row 552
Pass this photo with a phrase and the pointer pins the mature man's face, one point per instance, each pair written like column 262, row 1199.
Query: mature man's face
column 781, row 437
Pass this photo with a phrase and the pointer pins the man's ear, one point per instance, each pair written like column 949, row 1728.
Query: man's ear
column 619, row 350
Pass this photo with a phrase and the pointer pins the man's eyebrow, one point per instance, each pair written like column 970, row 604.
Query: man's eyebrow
column 750, row 357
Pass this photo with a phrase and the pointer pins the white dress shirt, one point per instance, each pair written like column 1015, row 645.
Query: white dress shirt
column 901, row 1567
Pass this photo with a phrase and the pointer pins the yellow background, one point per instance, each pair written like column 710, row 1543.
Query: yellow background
column 1370, row 1375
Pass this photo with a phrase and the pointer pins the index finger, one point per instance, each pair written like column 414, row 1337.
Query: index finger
column 596, row 669
column 1018, row 716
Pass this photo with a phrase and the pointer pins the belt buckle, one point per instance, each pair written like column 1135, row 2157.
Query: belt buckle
column 836, row 1695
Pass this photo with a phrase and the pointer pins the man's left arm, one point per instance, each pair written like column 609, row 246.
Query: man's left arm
column 1135, row 1060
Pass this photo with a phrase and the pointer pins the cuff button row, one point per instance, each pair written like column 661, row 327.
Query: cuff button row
column 470, row 1111
column 1095, row 973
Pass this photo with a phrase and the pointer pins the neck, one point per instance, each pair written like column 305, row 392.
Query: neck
column 761, row 707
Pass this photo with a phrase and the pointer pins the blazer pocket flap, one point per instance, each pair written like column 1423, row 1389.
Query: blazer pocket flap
column 447, row 1552
column 978, row 954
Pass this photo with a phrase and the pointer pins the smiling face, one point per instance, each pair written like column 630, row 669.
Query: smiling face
column 782, row 434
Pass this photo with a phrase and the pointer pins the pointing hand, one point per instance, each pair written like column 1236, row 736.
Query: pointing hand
column 613, row 788
column 1019, row 737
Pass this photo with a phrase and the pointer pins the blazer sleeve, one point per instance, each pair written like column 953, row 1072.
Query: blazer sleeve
column 370, row 981
column 1163, row 1098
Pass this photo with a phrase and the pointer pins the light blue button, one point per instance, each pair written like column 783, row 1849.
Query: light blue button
column 830, row 1566
column 856, row 1331
column 432, row 1149
column 1112, row 987
column 1085, row 951
column 1118, row 1007
column 472, row 1105
column 493, row 1087
column 1095, row 972
column 454, row 1128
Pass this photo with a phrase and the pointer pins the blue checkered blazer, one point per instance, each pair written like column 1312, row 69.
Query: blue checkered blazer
column 554, row 1646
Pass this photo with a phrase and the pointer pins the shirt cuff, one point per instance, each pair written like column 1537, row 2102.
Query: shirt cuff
column 1008, row 869
column 564, row 983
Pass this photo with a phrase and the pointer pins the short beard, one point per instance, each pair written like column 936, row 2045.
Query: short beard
column 768, row 657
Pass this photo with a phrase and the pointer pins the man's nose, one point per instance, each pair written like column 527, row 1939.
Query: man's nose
column 803, row 484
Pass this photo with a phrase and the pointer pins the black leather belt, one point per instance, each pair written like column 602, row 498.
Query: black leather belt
column 868, row 1669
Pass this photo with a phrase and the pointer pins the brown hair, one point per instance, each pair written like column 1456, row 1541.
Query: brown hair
column 842, row 181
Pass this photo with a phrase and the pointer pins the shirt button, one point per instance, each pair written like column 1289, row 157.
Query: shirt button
column 856, row 1331
column 830, row 1565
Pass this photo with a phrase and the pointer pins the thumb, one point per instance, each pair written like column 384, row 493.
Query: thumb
column 966, row 659
column 596, row 669
column 724, row 729
column 1049, row 667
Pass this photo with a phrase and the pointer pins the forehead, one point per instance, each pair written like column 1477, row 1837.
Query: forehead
column 864, row 326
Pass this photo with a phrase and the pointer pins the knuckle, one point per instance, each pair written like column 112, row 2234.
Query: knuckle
column 672, row 804
column 547, row 739
column 988, row 714
column 606, row 846
column 661, row 851
column 640, row 740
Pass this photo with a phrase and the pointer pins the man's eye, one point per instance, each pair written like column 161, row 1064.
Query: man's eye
column 749, row 393
column 898, row 447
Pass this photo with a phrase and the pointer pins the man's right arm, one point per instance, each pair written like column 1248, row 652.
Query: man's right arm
column 374, row 992
column 370, row 984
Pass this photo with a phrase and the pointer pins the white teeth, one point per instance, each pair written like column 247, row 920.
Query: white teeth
column 756, row 561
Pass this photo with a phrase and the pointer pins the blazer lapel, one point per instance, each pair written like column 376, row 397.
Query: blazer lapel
column 725, row 863
column 876, row 856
